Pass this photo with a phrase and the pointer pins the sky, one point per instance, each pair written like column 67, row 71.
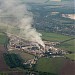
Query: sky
column 43, row 1
column 39, row 1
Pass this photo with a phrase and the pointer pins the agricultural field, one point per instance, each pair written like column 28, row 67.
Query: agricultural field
column 70, row 56
column 1, row 73
column 3, row 66
column 25, row 56
column 50, row 65
column 3, row 42
column 54, row 36
column 69, row 45
column 3, row 38
column 68, row 68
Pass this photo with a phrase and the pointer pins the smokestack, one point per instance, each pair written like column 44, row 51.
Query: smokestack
column 16, row 14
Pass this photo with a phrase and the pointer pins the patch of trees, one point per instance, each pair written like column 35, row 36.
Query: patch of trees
column 13, row 60
column 2, row 73
column 45, row 73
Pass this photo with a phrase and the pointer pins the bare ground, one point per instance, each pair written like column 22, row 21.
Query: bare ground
column 3, row 66
column 68, row 68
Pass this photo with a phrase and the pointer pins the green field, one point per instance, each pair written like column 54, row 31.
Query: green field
column 25, row 56
column 70, row 56
column 1, row 73
column 69, row 45
column 50, row 65
column 54, row 36
column 3, row 38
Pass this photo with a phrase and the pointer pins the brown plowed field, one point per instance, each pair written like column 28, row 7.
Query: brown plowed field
column 68, row 68
column 3, row 66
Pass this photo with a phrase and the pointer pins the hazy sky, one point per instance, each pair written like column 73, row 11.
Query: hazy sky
column 38, row 1
column 35, row 0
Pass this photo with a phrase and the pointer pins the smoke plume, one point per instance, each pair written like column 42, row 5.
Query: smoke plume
column 19, row 20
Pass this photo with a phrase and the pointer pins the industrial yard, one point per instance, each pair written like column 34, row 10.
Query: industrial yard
column 31, row 51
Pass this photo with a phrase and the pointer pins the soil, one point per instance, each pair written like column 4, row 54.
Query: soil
column 68, row 68
column 3, row 66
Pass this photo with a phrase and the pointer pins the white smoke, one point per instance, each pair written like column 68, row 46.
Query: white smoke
column 15, row 13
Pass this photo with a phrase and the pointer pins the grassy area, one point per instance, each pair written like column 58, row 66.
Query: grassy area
column 69, row 45
column 54, row 36
column 70, row 56
column 50, row 65
column 1, row 73
column 24, row 55
column 3, row 38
